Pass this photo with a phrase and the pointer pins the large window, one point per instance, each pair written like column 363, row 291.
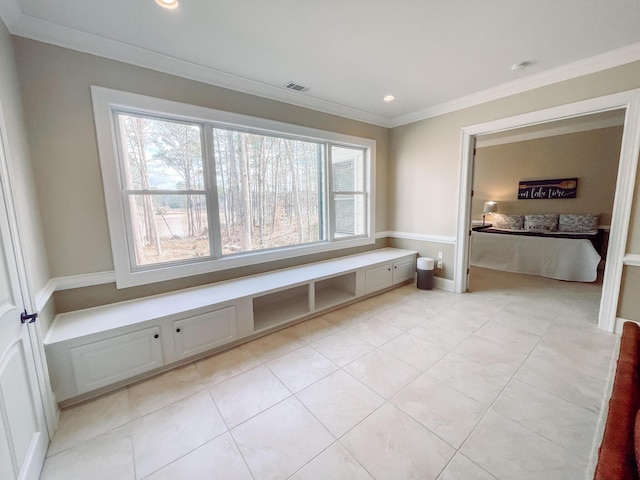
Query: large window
column 191, row 190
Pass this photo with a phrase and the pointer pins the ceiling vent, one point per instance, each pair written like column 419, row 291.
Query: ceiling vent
column 295, row 87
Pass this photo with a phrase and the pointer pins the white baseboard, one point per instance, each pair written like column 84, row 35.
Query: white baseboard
column 619, row 322
column 444, row 284
column 604, row 411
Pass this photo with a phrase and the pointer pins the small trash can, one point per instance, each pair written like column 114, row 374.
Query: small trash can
column 425, row 273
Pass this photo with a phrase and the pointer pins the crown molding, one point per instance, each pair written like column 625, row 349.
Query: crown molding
column 597, row 63
column 48, row 32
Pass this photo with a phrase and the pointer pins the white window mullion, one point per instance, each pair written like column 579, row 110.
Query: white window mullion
column 212, row 192
column 330, row 211
column 130, row 228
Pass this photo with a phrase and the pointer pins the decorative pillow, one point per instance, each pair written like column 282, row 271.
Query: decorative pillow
column 544, row 223
column 509, row 222
column 587, row 222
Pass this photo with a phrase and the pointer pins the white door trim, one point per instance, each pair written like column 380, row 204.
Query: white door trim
column 630, row 101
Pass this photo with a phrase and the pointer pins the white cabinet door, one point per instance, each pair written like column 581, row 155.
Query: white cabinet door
column 377, row 278
column 102, row 363
column 403, row 270
column 204, row 332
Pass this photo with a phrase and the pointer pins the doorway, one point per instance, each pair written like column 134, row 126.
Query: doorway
column 587, row 147
column 629, row 102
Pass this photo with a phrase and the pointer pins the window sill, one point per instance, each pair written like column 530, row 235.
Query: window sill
column 156, row 273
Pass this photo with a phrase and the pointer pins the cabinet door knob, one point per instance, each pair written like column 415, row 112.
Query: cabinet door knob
column 156, row 336
column 177, row 330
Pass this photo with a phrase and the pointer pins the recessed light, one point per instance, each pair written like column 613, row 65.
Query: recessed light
column 170, row 4
column 389, row 98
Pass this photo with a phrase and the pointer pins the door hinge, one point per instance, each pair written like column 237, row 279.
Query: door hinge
column 26, row 317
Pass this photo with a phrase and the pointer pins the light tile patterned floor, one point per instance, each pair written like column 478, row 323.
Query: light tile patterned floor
column 501, row 383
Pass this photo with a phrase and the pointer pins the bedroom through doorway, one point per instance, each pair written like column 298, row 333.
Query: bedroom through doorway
column 627, row 102
column 586, row 148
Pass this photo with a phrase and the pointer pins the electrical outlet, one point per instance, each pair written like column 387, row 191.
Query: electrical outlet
column 439, row 257
column 439, row 263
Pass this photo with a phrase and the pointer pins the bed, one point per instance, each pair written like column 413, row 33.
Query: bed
column 562, row 255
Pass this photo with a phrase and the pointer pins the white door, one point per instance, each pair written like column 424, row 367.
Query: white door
column 23, row 434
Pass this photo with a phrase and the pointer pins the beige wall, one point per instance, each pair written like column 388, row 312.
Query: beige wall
column 55, row 84
column 424, row 172
column 20, row 167
column 425, row 167
column 629, row 304
column 633, row 245
column 592, row 156
column 417, row 168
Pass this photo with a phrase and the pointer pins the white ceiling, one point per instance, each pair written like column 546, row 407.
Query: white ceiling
column 433, row 55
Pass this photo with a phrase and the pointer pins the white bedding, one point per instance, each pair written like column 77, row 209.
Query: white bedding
column 560, row 258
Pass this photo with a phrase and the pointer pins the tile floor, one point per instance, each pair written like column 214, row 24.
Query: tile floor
column 505, row 382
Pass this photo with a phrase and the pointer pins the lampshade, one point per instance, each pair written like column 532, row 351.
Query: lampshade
column 490, row 207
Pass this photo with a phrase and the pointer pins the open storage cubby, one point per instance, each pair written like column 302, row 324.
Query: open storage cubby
column 280, row 307
column 102, row 348
column 334, row 291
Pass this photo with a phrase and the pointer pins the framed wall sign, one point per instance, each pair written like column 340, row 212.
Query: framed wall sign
column 547, row 189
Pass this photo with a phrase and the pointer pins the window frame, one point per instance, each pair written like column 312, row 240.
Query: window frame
column 107, row 103
column 333, row 193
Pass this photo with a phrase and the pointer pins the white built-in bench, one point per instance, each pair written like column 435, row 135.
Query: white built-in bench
column 93, row 350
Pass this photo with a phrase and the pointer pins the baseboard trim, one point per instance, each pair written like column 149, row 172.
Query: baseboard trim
column 444, row 284
column 604, row 412
column 619, row 323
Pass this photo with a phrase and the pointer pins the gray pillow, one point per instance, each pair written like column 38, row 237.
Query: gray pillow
column 509, row 222
column 542, row 223
column 584, row 222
